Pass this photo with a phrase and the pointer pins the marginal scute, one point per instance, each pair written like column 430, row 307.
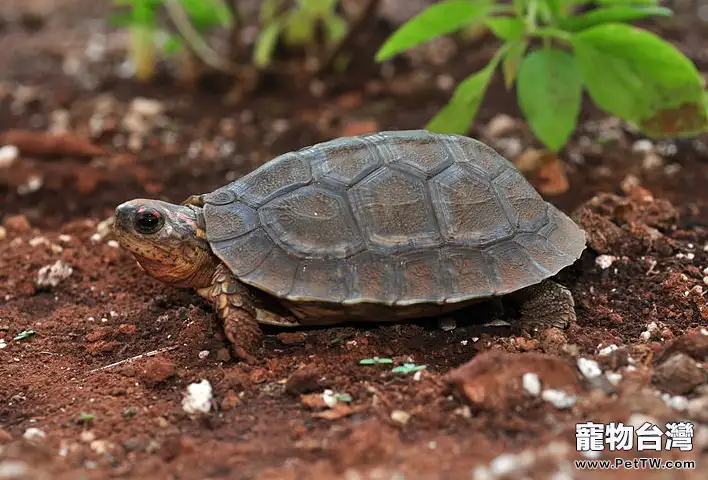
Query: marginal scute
column 394, row 211
column 525, row 204
column 246, row 253
column 230, row 220
column 471, row 273
column 323, row 280
column 544, row 254
column 422, row 277
column 312, row 221
column 467, row 207
column 375, row 278
column 563, row 233
column 282, row 174
column 513, row 266
column 276, row 274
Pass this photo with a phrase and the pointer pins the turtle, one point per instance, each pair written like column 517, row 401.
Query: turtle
column 386, row 226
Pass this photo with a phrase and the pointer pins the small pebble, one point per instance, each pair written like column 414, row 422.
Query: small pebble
column 531, row 383
column 400, row 416
column 605, row 261
column 643, row 146
column 198, row 397
column 652, row 162
column 52, row 275
column 87, row 436
column 203, row 354
column 614, row 377
column 607, row 350
column 33, row 433
column 11, row 469
column 558, row 398
column 8, row 155
column 500, row 126
column 589, row 368
column 677, row 402
column 447, row 324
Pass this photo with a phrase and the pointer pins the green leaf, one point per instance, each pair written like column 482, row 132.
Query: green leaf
column 642, row 79
column 299, row 28
column 512, row 61
column 506, row 28
column 173, row 45
column 617, row 13
column 318, row 7
column 436, row 20
column 622, row 2
column 207, row 13
column 457, row 116
column 375, row 361
column 120, row 19
column 407, row 368
column 549, row 90
column 269, row 10
column 24, row 335
column 336, row 28
column 265, row 44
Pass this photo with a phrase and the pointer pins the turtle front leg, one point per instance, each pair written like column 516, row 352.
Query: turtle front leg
column 237, row 310
column 545, row 305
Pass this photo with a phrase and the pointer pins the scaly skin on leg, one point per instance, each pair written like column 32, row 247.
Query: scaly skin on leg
column 236, row 308
column 545, row 305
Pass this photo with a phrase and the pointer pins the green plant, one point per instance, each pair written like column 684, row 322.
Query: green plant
column 375, row 361
column 297, row 26
column 23, row 335
column 552, row 52
column 191, row 18
column 407, row 368
column 85, row 418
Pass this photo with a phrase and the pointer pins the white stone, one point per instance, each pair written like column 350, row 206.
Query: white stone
column 400, row 416
column 643, row 146
column 51, row 275
column 614, row 377
column 500, row 126
column 589, row 368
column 198, row 397
column 8, row 155
column 605, row 261
column 558, row 398
column 607, row 350
column 531, row 383
column 33, row 433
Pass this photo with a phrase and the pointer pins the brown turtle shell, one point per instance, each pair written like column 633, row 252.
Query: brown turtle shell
column 407, row 220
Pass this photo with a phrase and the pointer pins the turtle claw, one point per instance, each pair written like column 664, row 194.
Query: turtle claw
column 195, row 200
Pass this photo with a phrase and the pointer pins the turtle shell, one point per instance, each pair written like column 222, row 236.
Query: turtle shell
column 398, row 218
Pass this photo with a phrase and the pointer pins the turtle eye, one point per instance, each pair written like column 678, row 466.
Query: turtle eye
column 148, row 221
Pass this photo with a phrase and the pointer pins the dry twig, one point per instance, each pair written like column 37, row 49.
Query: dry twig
column 137, row 357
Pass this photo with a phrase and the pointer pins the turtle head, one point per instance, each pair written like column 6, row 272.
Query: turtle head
column 167, row 240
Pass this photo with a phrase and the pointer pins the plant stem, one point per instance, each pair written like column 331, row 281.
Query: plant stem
column 366, row 14
column 234, row 34
column 547, row 32
column 194, row 41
